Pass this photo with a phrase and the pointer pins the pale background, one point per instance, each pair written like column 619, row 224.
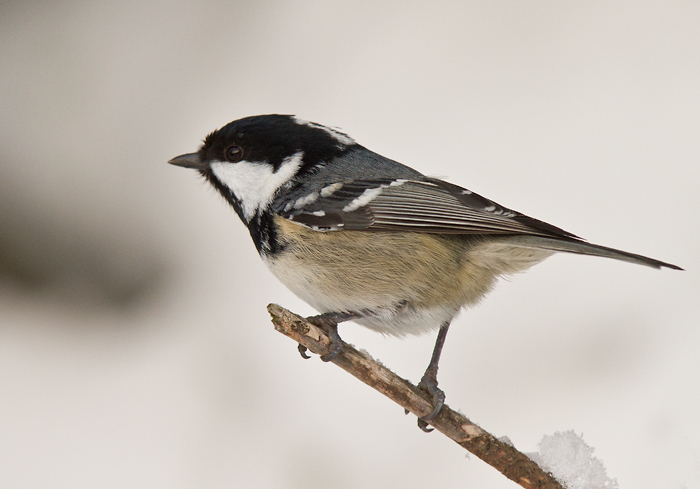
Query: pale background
column 135, row 348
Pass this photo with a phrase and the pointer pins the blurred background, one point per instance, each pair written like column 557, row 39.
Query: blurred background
column 135, row 348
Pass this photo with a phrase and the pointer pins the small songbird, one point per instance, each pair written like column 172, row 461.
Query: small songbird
column 361, row 237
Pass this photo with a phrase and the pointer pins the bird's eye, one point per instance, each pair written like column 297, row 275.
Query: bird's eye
column 234, row 153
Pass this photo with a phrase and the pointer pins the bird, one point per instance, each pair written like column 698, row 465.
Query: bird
column 362, row 237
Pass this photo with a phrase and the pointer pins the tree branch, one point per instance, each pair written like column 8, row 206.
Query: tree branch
column 500, row 455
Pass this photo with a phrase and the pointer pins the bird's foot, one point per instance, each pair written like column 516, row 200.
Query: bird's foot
column 329, row 323
column 429, row 384
column 336, row 345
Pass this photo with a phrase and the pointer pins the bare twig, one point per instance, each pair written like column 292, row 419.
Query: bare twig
column 500, row 455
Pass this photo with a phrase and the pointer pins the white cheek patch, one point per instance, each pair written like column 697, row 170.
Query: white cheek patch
column 256, row 183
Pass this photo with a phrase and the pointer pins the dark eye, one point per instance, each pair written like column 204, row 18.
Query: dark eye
column 234, row 153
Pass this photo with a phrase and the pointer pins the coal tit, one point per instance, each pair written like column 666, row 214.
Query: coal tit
column 359, row 236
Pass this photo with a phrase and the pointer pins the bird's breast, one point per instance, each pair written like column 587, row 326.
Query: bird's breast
column 402, row 282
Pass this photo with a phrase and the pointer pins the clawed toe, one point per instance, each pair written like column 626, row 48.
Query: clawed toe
column 330, row 356
column 302, row 351
column 336, row 345
column 329, row 322
column 429, row 384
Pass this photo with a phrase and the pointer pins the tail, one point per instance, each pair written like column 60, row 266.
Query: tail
column 583, row 248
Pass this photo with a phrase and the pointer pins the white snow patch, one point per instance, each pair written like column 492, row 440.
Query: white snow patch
column 506, row 440
column 570, row 460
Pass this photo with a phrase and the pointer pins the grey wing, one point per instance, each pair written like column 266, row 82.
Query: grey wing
column 432, row 206
column 419, row 205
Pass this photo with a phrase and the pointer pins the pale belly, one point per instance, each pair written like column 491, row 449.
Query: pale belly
column 402, row 283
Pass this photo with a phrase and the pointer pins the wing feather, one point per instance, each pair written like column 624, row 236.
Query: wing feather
column 430, row 206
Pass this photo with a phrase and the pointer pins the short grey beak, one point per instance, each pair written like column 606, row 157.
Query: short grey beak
column 189, row 160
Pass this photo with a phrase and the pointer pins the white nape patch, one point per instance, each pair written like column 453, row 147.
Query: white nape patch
column 370, row 194
column 467, row 192
column 342, row 138
column 301, row 202
column 255, row 184
column 330, row 189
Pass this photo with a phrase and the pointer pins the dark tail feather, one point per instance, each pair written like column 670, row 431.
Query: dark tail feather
column 583, row 248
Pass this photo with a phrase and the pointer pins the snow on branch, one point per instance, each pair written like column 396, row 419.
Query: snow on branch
column 571, row 460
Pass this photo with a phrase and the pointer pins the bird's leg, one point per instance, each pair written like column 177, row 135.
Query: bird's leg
column 429, row 381
column 329, row 322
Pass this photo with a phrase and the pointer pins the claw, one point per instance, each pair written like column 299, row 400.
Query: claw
column 302, row 351
column 336, row 345
column 423, row 425
column 429, row 384
column 329, row 357
column 329, row 321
